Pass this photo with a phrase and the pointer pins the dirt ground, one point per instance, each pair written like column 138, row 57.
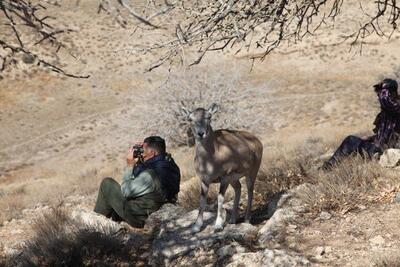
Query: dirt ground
column 368, row 237
column 59, row 136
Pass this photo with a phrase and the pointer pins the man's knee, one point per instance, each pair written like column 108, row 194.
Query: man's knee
column 107, row 182
column 352, row 139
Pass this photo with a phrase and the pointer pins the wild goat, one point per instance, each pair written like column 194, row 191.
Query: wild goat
column 223, row 156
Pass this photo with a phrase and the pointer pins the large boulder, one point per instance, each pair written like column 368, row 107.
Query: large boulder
column 390, row 158
column 177, row 245
column 287, row 210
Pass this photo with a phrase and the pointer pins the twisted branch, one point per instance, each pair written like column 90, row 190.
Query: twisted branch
column 22, row 19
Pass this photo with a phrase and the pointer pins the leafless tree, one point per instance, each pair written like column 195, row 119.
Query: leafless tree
column 23, row 27
column 247, row 25
column 204, row 26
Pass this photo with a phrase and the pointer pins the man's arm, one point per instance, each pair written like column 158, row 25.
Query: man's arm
column 136, row 186
column 388, row 103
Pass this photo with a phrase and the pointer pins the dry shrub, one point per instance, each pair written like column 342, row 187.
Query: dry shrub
column 353, row 182
column 239, row 101
column 63, row 241
column 286, row 167
column 189, row 195
column 388, row 260
column 11, row 204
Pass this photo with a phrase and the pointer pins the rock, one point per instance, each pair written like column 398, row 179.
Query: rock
column 28, row 58
column 377, row 241
column 319, row 251
column 324, row 215
column 268, row 257
column 164, row 214
column 390, row 158
column 292, row 228
column 288, row 209
column 328, row 249
column 16, row 231
column 176, row 244
column 362, row 207
column 230, row 250
column 397, row 197
column 92, row 219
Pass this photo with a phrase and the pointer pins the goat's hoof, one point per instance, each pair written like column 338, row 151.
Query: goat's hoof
column 196, row 228
column 218, row 228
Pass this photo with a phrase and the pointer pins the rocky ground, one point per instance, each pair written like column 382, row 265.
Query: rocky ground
column 59, row 137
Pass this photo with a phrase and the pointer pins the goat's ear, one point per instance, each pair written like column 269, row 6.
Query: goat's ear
column 213, row 108
column 186, row 112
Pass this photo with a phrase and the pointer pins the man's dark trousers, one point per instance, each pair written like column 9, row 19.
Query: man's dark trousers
column 111, row 203
column 353, row 145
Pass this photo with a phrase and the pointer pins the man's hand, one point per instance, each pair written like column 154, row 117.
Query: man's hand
column 130, row 160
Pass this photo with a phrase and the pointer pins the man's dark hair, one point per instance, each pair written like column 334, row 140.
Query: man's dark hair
column 156, row 143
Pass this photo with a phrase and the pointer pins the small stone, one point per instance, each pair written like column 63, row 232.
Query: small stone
column 231, row 249
column 324, row 215
column 377, row 241
column 362, row 207
column 291, row 228
column 328, row 249
column 319, row 252
column 28, row 58
column 16, row 231
column 397, row 197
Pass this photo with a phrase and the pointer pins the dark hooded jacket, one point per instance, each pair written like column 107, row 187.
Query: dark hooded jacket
column 387, row 122
column 167, row 171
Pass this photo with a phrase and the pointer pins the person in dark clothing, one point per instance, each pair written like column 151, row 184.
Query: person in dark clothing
column 149, row 181
column 386, row 131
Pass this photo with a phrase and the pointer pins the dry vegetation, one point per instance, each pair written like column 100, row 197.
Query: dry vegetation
column 388, row 261
column 13, row 201
column 61, row 240
column 239, row 101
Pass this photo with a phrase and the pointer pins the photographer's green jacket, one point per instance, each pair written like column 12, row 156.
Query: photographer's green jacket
column 143, row 193
column 143, row 184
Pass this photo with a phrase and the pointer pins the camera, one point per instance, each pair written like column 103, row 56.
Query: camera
column 137, row 151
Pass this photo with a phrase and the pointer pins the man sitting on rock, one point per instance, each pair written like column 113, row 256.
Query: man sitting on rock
column 151, row 179
column 386, row 131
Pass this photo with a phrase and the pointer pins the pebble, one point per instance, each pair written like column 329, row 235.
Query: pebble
column 397, row 197
column 321, row 251
column 324, row 215
column 377, row 241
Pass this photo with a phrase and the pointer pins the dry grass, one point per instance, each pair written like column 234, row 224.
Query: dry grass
column 286, row 167
column 10, row 204
column 389, row 260
column 27, row 195
column 63, row 241
column 189, row 195
column 353, row 182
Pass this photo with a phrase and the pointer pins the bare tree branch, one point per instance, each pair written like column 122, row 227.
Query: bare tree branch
column 22, row 19
column 208, row 25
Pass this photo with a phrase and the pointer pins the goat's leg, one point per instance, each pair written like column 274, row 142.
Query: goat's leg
column 221, row 214
column 203, row 201
column 250, row 180
column 238, row 188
